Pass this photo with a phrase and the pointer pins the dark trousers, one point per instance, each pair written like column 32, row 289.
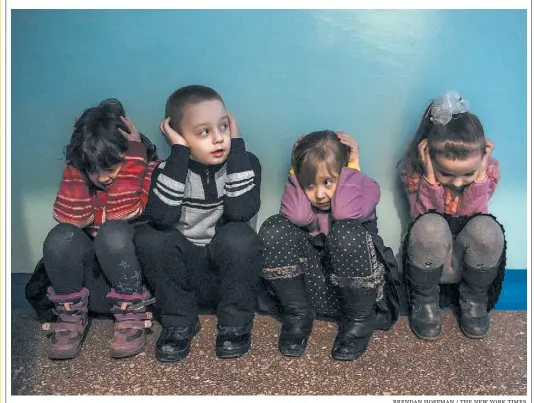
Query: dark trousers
column 184, row 277
column 74, row 260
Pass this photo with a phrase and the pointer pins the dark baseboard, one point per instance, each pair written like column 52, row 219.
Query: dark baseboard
column 513, row 296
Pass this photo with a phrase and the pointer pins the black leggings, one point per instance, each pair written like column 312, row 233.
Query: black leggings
column 73, row 260
column 346, row 257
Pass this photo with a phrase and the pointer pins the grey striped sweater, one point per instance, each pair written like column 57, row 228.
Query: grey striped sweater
column 196, row 198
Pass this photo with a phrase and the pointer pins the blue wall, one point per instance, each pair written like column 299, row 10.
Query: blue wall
column 282, row 73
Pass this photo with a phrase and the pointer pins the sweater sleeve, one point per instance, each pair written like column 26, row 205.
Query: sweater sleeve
column 296, row 206
column 422, row 195
column 243, row 181
column 164, row 206
column 356, row 196
column 73, row 202
column 476, row 196
column 126, row 198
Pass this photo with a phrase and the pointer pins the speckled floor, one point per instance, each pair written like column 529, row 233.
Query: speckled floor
column 396, row 363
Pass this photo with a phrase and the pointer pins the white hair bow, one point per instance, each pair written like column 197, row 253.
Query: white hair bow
column 446, row 106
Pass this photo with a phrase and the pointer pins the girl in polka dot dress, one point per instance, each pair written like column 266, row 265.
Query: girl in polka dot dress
column 323, row 255
column 455, row 251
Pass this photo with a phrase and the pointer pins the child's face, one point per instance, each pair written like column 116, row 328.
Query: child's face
column 456, row 174
column 206, row 129
column 103, row 178
column 321, row 192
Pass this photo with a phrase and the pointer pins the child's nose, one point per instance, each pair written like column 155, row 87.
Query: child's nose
column 103, row 178
column 457, row 182
column 218, row 137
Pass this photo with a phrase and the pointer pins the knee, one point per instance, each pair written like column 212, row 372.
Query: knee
column 484, row 240
column 148, row 241
column 484, row 232
column 351, row 248
column 114, row 235
column 430, row 233
column 64, row 238
column 238, row 236
column 275, row 227
column 346, row 235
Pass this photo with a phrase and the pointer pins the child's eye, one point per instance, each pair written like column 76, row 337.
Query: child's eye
column 204, row 132
column 112, row 169
column 224, row 127
column 310, row 187
column 328, row 182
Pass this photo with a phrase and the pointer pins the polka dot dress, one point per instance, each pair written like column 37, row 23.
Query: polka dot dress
column 343, row 256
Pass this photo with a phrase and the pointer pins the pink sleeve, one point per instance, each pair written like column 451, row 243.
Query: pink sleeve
column 356, row 196
column 422, row 195
column 296, row 206
column 476, row 196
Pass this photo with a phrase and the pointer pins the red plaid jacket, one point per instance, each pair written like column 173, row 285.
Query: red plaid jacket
column 125, row 199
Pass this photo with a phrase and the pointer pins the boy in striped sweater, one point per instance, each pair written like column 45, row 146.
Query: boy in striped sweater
column 89, row 261
column 198, row 250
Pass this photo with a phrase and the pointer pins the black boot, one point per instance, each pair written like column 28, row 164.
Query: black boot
column 174, row 342
column 297, row 315
column 425, row 314
column 233, row 341
column 357, row 322
column 474, row 319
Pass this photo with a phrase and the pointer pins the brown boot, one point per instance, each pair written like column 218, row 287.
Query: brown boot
column 131, row 321
column 67, row 333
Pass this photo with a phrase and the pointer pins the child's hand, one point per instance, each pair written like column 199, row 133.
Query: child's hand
column 172, row 137
column 426, row 162
column 134, row 134
column 346, row 139
column 234, row 128
column 293, row 150
column 481, row 174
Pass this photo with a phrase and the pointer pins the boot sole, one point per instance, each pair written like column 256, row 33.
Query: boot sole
column 292, row 353
column 125, row 354
column 346, row 357
column 65, row 357
column 166, row 357
column 233, row 354
column 427, row 338
column 473, row 336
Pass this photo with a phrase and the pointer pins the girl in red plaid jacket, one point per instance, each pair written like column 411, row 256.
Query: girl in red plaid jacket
column 89, row 260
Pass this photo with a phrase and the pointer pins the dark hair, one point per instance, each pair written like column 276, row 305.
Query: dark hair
column 185, row 96
column 114, row 107
column 117, row 110
column 317, row 147
column 96, row 142
column 462, row 136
